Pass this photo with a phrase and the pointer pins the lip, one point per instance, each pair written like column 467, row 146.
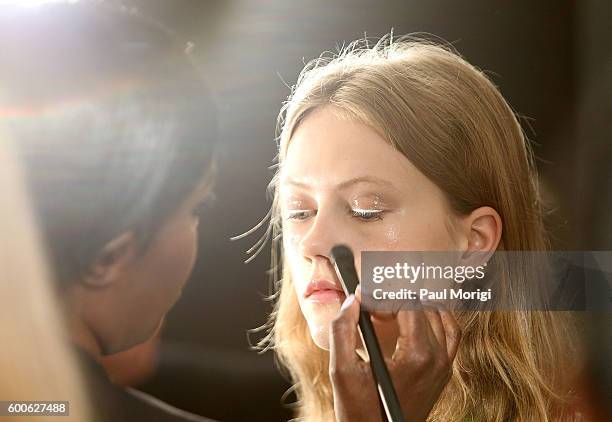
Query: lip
column 323, row 291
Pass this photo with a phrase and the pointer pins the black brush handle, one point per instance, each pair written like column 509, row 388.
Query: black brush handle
column 344, row 263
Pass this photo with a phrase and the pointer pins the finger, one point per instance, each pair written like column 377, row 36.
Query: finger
column 376, row 315
column 382, row 316
column 437, row 327
column 343, row 335
column 452, row 332
column 412, row 321
column 414, row 333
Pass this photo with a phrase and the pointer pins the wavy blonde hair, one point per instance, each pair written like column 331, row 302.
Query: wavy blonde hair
column 452, row 123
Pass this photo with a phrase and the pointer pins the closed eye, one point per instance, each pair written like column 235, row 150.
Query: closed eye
column 300, row 214
column 366, row 215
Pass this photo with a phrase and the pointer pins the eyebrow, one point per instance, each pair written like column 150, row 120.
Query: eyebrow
column 347, row 183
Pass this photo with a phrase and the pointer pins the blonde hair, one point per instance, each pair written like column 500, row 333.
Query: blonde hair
column 452, row 123
column 36, row 362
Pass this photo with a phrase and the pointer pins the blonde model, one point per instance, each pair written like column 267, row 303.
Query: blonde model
column 406, row 146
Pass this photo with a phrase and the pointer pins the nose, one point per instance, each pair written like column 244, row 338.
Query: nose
column 320, row 238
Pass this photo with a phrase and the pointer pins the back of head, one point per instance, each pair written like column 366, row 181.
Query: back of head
column 111, row 119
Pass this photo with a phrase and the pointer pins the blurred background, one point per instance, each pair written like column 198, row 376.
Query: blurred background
column 551, row 60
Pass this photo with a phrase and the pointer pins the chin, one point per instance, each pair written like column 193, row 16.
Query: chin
column 320, row 336
column 319, row 318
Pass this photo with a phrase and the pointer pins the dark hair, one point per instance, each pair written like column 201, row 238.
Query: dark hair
column 112, row 121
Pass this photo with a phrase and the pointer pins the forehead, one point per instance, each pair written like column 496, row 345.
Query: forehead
column 327, row 149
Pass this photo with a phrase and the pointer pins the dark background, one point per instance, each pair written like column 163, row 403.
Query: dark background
column 551, row 60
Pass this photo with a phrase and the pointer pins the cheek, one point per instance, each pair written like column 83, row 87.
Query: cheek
column 297, row 265
column 431, row 234
column 392, row 233
column 175, row 259
column 319, row 322
column 417, row 231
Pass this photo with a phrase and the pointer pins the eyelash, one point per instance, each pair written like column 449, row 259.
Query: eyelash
column 362, row 215
column 300, row 214
column 366, row 215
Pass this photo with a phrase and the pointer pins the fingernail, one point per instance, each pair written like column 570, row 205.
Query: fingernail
column 347, row 302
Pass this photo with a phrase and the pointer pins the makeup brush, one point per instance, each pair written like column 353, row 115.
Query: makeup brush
column 344, row 264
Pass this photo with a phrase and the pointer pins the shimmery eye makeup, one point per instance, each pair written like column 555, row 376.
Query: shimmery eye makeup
column 367, row 208
column 367, row 215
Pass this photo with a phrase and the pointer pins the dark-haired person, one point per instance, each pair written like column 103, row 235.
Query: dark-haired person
column 114, row 130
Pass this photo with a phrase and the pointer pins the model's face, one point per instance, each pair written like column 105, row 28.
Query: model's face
column 341, row 182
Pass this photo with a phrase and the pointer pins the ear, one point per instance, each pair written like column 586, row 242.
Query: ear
column 112, row 261
column 483, row 228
